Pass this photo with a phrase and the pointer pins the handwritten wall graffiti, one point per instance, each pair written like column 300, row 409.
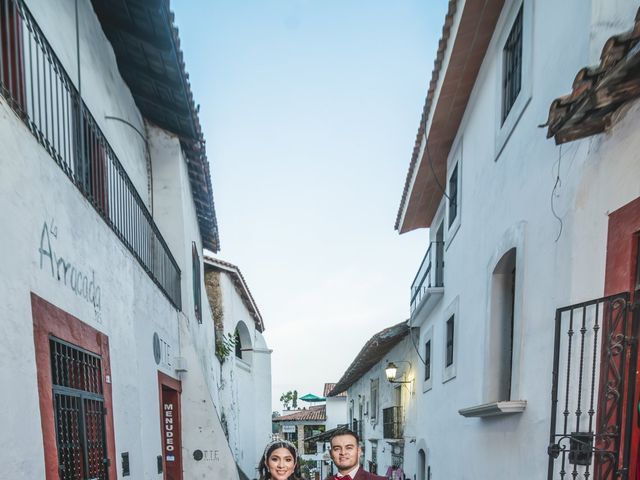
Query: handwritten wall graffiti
column 66, row 272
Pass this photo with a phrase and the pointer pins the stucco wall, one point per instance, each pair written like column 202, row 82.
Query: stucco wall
column 246, row 390
column 506, row 201
column 46, row 218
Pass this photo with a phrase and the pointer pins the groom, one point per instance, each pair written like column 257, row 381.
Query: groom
column 345, row 453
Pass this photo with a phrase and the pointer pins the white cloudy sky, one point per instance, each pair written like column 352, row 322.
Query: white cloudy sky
column 310, row 110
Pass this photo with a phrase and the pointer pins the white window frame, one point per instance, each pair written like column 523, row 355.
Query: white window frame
column 375, row 400
column 505, row 129
column 514, row 237
column 428, row 337
column 451, row 228
column 449, row 372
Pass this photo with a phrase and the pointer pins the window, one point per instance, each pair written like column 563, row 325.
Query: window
column 503, row 288
column 373, row 413
column 91, row 164
column 453, row 201
column 450, row 328
column 453, row 195
column 197, row 294
column 243, row 345
column 449, row 345
column 514, row 76
column 11, row 55
column 427, row 360
column 238, row 344
column 512, row 66
column 78, row 400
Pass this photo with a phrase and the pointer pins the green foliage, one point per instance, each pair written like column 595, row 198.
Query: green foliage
column 286, row 399
column 225, row 345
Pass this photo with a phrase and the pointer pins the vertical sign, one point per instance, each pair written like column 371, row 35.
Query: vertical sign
column 169, row 445
column 170, row 427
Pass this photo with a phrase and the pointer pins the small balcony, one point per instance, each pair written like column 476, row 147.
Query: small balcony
column 427, row 286
column 37, row 87
column 392, row 423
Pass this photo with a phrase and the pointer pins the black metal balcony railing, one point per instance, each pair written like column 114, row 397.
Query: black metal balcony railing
column 392, row 423
column 40, row 91
column 356, row 426
column 429, row 274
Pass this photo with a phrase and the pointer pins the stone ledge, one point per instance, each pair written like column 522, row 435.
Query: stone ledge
column 494, row 409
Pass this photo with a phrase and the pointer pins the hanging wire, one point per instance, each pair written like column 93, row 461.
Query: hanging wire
column 415, row 346
column 557, row 185
column 435, row 177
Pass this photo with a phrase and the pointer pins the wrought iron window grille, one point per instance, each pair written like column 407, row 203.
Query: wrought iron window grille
column 595, row 352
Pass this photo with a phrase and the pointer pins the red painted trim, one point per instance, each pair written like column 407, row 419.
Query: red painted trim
column 622, row 251
column 171, row 383
column 50, row 320
column 624, row 224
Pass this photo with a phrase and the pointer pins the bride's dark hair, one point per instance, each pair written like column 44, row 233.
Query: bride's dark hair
column 269, row 449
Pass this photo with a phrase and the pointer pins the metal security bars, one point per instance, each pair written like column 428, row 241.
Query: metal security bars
column 512, row 66
column 593, row 379
column 37, row 87
column 392, row 423
column 79, row 412
column 429, row 274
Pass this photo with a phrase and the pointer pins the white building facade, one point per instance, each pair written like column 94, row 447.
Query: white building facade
column 380, row 411
column 106, row 202
column 245, row 389
column 530, row 279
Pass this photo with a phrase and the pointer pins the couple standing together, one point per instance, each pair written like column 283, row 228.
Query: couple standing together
column 280, row 460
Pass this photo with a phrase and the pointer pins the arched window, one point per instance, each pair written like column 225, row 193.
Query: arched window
column 243, row 343
column 422, row 465
column 502, row 321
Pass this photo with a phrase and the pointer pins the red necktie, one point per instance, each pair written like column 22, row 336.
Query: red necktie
column 346, row 477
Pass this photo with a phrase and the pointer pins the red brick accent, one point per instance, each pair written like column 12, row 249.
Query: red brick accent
column 50, row 320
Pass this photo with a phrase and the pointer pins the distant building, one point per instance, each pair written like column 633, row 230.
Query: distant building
column 309, row 427
column 380, row 411
column 107, row 207
column 245, row 391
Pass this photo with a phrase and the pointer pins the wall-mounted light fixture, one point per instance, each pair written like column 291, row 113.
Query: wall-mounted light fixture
column 391, row 371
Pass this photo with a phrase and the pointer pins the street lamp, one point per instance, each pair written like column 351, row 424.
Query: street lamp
column 391, row 371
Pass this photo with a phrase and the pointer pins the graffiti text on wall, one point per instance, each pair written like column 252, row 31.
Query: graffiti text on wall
column 66, row 272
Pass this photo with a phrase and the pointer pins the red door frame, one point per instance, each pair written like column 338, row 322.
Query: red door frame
column 165, row 382
column 620, row 272
column 50, row 320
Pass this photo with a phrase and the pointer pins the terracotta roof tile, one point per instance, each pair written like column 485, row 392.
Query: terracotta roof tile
column 435, row 74
column 598, row 91
column 328, row 387
column 317, row 413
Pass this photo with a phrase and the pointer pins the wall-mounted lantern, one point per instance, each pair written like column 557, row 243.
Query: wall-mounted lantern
column 391, row 371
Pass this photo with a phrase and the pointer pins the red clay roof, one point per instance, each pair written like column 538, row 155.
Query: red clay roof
column 598, row 91
column 420, row 197
column 329, row 386
column 317, row 413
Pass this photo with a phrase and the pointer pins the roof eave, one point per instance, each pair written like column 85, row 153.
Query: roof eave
column 455, row 71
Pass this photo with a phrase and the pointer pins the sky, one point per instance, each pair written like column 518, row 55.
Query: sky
column 310, row 110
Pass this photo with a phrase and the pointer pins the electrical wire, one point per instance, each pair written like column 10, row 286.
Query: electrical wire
column 557, row 185
column 435, row 177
